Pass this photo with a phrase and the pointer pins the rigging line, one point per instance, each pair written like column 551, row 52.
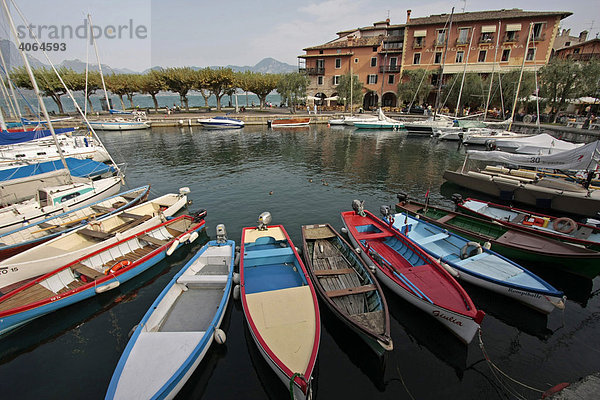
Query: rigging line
column 64, row 85
column 19, row 91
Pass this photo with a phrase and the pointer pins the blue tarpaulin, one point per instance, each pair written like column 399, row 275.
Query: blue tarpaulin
column 20, row 137
column 78, row 168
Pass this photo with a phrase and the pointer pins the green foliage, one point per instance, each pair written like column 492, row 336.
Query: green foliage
column 414, row 81
column 474, row 92
column 258, row 83
column 343, row 90
column 218, row 81
column 180, row 80
column 123, row 85
column 292, row 88
column 152, row 83
column 510, row 81
column 47, row 81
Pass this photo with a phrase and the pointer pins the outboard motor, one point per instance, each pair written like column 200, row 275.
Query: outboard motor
column 457, row 198
column 358, row 207
column 184, row 191
column 490, row 144
column 199, row 215
column 221, row 234
column 264, row 220
column 402, row 197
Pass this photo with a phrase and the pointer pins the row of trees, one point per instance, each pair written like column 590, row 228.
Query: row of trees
column 181, row 80
column 558, row 82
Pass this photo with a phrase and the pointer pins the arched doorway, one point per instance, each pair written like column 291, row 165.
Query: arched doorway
column 389, row 99
column 370, row 101
column 332, row 100
column 321, row 97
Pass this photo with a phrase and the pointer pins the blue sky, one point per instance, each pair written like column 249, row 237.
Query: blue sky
column 202, row 33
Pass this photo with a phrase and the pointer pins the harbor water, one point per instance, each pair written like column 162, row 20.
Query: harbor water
column 305, row 176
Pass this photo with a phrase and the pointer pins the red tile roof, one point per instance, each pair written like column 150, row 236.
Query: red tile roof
column 485, row 15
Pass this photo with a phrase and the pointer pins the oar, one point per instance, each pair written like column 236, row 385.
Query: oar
column 68, row 222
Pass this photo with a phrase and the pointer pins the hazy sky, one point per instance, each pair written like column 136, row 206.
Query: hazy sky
column 202, row 33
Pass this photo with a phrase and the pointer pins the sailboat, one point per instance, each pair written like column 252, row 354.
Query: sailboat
column 117, row 124
column 53, row 198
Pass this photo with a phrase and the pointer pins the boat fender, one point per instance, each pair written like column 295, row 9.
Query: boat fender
column 373, row 268
column 173, row 247
column 236, row 278
column 487, row 245
column 236, row 260
column 117, row 266
column 564, row 225
column 298, row 250
column 106, row 288
column 467, row 252
column 555, row 389
column 193, row 237
column 236, row 292
column 220, row 336
column 451, row 271
column 344, row 230
column 184, row 238
column 357, row 250
column 560, row 304
column 131, row 331
column 321, row 247
column 238, row 248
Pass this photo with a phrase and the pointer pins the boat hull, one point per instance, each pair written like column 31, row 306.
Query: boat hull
column 119, row 126
column 463, row 327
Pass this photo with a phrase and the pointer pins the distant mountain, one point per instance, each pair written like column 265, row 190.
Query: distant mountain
column 267, row 65
column 13, row 59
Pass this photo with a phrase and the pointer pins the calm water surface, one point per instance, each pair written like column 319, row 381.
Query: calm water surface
column 313, row 175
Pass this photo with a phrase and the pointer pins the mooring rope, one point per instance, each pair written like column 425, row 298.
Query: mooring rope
column 495, row 368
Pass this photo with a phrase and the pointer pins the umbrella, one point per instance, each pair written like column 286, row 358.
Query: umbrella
column 332, row 98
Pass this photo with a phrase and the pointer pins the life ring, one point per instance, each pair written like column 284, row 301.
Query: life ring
column 466, row 251
column 564, row 225
column 117, row 266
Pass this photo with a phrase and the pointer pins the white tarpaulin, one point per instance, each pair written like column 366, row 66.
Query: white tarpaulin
column 584, row 157
column 538, row 144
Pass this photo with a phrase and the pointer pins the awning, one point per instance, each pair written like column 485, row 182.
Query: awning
column 488, row 29
column 422, row 33
column 332, row 98
column 513, row 27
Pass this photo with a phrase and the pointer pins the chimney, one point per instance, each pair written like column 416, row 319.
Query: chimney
column 408, row 16
column 583, row 36
column 387, row 20
column 350, row 40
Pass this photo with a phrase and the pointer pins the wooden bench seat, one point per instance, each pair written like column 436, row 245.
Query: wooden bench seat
column 153, row 240
column 87, row 271
column 330, row 272
column 445, row 218
column 131, row 224
column 353, row 290
column 94, row 234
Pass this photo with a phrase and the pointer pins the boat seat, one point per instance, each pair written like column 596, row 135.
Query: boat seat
column 128, row 225
column 102, row 209
column 87, row 271
column 352, row 290
column 445, row 218
column 153, row 240
column 268, row 253
column 94, row 234
column 583, row 232
column 518, row 219
column 203, row 279
column 434, row 238
column 129, row 215
column 371, row 236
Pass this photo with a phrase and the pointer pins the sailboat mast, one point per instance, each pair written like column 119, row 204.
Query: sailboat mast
column 36, row 89
column 462, row 83
column 10, row 86
column 514, row 107
column 441, row 77
column 351, row 87
column 7, row 99
column 2, row 122
column 99, row 63
column 487, row 102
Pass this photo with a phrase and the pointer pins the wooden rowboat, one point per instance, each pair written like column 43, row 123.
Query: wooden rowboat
column 19, row 269
column 508, row 241
column 413, row 274
column 178, row 329
column 346, row 285
column 473, row 263
column 31, row 235
column 563, row 229
column 280, row 305
column 98, row 272
column 289, row 122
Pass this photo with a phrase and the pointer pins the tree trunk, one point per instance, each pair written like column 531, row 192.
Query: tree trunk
column 130, row 98
column 89, row 100
column 155, row 101
column 218, row 101
column 185, row 100
column 58, row 102
column 263, row 100
column 122, row 103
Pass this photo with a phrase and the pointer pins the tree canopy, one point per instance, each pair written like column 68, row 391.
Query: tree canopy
column 414, row 81
column 292, row 88
column 343, row 90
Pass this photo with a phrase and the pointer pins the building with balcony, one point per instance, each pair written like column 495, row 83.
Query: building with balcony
column 484, row 41
column 584, row 51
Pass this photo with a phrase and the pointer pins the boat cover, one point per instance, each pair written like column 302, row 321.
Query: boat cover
column 580, row 158
column 79, row 168
column 20, row 137
column 538, row 144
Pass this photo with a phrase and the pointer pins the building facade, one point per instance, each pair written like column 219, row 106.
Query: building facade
column 481, row 42
column 584, row 51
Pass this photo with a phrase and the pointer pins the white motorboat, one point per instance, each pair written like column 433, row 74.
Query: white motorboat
column 119, row 124
column 220, row 123
column 481, row 136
